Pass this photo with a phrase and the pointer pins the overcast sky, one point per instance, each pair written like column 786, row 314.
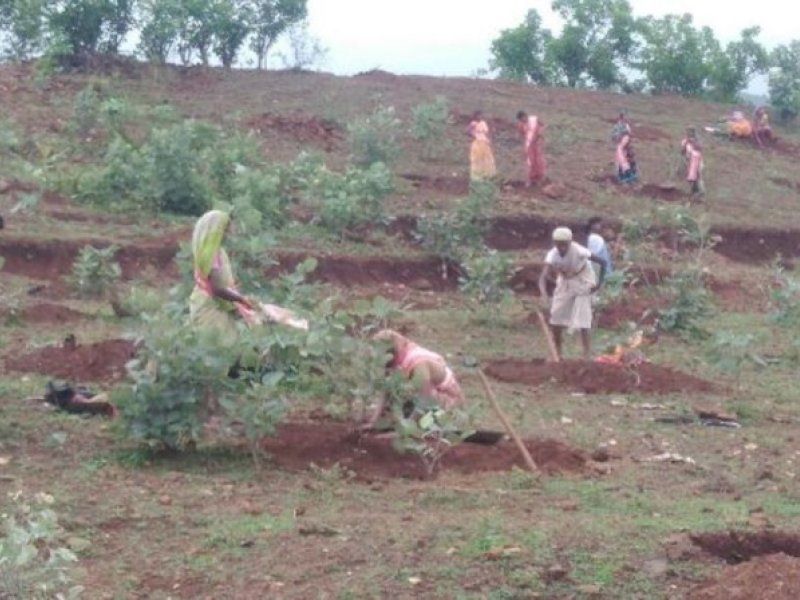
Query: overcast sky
column 451, row 37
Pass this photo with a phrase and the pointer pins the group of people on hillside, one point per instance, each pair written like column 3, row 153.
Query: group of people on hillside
column 216, row 304
column 531, row 129
column 482, row 161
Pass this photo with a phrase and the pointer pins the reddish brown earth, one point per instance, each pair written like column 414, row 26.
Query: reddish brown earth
column 50, row 313
column 450, row 186
column 662, row 192
column 103, row 361
column 738, row 546
column 594, row 378
column 771, row 577
column 787, row 183
column 302, row 128
column 757, row 245
column 298, row 445
column 632, row 309
column 51, row 259
column 423, row 274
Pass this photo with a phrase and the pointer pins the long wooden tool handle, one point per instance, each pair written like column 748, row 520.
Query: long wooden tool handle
column 548, row 335
column 506, row 424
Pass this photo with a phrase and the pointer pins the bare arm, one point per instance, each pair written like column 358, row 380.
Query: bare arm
column 543, row 279
column 223, row 292
column 602, row 263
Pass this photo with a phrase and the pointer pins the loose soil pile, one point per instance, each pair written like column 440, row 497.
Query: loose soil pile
column 663, row 192
column 450, row 186
column 594, row 378
column 297, row 445
column 773, row 577
column 632, row 309
column 305, row 129
column 50, row 313
column 103, row 361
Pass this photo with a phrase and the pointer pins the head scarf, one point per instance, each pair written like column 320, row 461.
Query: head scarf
column 209, row 231
column 562, row 234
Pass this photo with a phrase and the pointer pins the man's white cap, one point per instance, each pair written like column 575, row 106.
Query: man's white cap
column 562, row 234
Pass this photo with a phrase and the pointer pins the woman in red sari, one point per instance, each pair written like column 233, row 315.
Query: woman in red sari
column 532, row 128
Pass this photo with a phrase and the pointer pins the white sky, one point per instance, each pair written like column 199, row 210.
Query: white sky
column 452, row 37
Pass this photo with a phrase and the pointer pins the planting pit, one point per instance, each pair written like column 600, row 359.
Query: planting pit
column 595, row 378
column 298, row 445
column 736, row 546
column 666, row 193
column 103, row 361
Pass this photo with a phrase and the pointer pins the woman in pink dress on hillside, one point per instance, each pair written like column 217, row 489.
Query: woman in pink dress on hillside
column 532, row 128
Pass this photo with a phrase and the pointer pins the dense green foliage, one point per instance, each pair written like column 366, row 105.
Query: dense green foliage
column 784, row 80
column 603, row 45
column 72, row 31
column 95, row 270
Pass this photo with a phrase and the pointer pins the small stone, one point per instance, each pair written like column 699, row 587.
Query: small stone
column 78, row 544
column 554, row 191
column 165, row 500
column 4, row 460
column 414, row 580
column 590, row 590
column 555, row 573
column 601, row 454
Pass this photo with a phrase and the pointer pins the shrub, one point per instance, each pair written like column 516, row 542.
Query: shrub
column 429, row 125
column 690, row 307
column 375, row 138
column 730, row 351
column 262, row 192
column 486, row 277
column 353, row 200
column 455, row 235
column 173, row 167
column 95, row 271
column 86, row 110
column 785, row 299
column 32, row 562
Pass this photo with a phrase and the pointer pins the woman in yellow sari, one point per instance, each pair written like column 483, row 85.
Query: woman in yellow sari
column 215, row 301
column 481, row 156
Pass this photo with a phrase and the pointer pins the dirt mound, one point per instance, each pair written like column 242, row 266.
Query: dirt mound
column 50, row 313
column 103, row 361
column 667, row 193
column 298, row 445
column 422, row 274
column 632, row 309
column 737, row 546
column 757, row 245
column 451, row 186
column 594, row 378
column 51, row 259
column 303, row 128
column 774, row 577
column 649, row 134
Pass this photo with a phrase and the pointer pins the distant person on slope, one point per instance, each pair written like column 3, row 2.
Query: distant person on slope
column 624, row 157
column 482, row 163
column 693, row 155
column 576, row 281
column 532, row 129
column 762, row 131
column 596, row 244
column 216, row 303
column 429, row 371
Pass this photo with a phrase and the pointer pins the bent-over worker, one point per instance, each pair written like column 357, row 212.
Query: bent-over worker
column 429, row 370
column 576, row 282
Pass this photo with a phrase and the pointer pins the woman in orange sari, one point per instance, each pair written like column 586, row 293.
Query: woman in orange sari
column 481, row 156
column 532, row 129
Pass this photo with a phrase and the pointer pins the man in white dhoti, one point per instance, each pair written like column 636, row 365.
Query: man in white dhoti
column 576, row 281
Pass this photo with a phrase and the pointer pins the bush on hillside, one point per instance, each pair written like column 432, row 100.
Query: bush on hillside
column 375, row 138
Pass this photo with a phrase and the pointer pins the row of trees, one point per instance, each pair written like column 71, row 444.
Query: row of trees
column 189, row 29
column 603, row 45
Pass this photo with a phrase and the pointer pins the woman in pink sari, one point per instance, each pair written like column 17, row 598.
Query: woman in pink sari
column 532, row 128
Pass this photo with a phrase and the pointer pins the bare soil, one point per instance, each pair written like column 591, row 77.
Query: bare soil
column 299, row 445
column 306, row 129
column 594, row 378
column 100, row 362
column 49, row 313
column 771, row 577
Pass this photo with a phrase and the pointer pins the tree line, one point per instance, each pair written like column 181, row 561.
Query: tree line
column 603, row 45
column 191, row 30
